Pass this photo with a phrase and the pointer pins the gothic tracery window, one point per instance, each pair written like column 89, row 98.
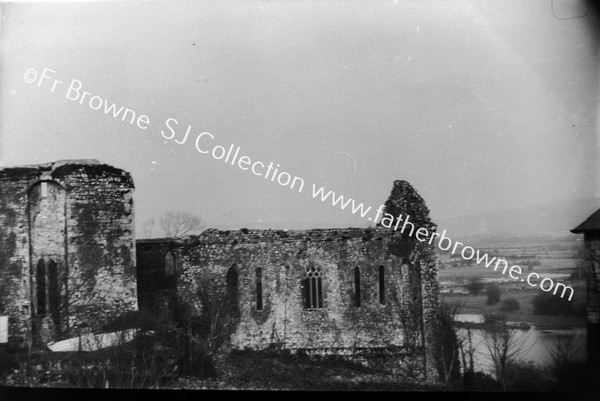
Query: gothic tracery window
column 313, row 288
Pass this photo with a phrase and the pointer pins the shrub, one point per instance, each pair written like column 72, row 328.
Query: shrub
column 161, row 352
column 568, row 373
column 493, row 294
column 577, row 307
column 495, row 319
column 509, row 305
column 8, row 361
column 474, row 286
column 480, row 381
column 148, row 360
column 526, row 376
column 532, row 264
column 545, row 303
column 570, row 376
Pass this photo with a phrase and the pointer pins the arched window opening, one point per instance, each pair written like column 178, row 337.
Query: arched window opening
column 313, row 288
column 53, row 291
column 259, row 289
column 381, row 285
column 231, row 280
column 357, row 297
column 40, row 280
column 43, row 189
column 170, row 264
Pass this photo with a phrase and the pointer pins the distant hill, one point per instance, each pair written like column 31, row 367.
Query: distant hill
column 554, row 218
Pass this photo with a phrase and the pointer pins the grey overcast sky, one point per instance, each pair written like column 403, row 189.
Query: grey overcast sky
column 480, row 105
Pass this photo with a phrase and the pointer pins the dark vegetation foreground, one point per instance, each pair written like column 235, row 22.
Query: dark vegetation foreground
column 145, row 363
column 242, row 370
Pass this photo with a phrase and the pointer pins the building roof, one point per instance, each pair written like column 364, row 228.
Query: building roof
column 592, row 223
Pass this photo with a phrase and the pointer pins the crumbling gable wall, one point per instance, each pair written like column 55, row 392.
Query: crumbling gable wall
column 67, row 252
column 405, row 201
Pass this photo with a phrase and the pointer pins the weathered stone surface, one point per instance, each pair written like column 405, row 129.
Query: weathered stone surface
column 66, row 246
column 67, row 259
column 407, row 312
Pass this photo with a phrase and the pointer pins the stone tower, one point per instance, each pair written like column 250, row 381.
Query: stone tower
column 67, row 255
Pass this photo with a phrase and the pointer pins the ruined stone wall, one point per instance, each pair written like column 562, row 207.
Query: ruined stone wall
column 405, row 201
column 15, row 294
column 379, row 287
column 284, row 258
column 66, row 246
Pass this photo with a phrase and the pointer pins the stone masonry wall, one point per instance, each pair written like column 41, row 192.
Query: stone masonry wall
column 15, row 294
column 75, row 219
column 405, row 201
column 409, row 307
column 284, row 257
column 269, row 269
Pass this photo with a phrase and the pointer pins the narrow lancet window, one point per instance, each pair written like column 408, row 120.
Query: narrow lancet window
column 40, row 279
column 357, row 299
column 381, row 285
column 231, row 280
column 259, row 289
column 43, row 189
column 53, row 292
column 170, row 267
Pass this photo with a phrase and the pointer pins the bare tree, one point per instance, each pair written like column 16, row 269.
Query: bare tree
column 505, row 349
column 447, row 347
column 562, row 349
column 148, row 226
column 568, row 373
column 411, row 365
column 179, row 224
column 467, row 353
column 219, row 314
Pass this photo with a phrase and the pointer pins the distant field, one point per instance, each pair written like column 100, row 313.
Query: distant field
column 553, row 255
column 476, row 304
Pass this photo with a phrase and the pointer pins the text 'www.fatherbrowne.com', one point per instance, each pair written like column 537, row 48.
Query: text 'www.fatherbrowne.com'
column 207, row 144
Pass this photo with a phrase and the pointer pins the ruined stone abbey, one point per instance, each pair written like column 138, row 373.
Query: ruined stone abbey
column 67, row 249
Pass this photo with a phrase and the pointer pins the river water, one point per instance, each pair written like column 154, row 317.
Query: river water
column 536, row 344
